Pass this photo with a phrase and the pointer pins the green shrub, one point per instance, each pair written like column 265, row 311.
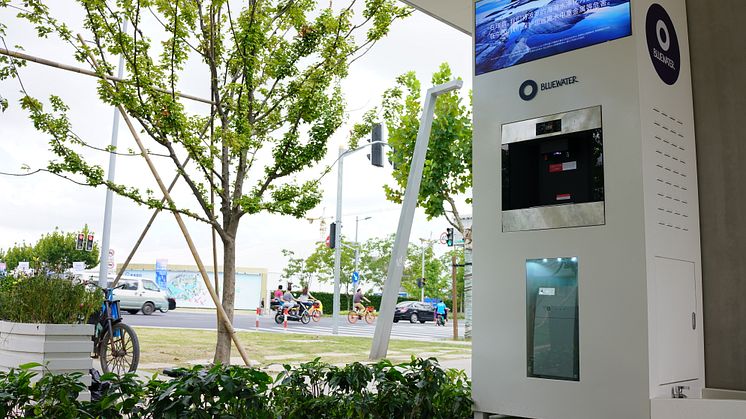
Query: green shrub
column 216, row 392
column 46, row 299
column 415, row 390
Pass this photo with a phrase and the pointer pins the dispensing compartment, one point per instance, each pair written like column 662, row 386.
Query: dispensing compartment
column 553, row 172
column 552, row 318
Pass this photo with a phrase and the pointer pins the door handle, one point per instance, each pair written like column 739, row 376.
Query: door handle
column 694, row 321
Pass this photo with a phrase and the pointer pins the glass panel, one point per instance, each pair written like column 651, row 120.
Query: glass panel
column 559, row 170
column 552, row 318
column 150, row 286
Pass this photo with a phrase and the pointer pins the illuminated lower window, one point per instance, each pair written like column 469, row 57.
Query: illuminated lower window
column 552, row 318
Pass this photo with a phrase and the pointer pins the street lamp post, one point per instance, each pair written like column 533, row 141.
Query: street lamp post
column 338, row 233
column 409, row 203
column 103, row 273
column 357, row 248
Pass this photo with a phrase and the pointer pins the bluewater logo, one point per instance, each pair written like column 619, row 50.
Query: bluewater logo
column 663, row 44
column 529, row 88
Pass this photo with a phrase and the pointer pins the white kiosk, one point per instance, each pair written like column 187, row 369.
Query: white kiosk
column 587, row 276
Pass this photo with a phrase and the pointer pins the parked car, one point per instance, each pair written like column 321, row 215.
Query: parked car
column 141, row 294
column 414, row 311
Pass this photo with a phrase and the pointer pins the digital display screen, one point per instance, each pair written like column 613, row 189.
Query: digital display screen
column 511, row 32
column 549, row 127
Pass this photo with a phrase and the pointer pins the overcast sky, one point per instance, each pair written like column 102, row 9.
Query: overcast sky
column 37, row 204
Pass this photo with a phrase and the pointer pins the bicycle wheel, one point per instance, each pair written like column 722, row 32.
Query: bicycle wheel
column 316, row 315
column 119, row 353
column 370, row 317
column 305, row 318
column 352, row 317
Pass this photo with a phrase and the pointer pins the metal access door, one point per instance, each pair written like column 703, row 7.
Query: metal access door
column 676, row 321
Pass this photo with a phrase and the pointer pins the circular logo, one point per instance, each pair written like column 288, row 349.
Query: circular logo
column 528, row 90
column 663, row 44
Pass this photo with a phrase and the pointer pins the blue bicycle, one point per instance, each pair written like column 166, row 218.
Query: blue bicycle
column 115, row 344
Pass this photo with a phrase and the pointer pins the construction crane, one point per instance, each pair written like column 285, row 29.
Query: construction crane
column 323, row 232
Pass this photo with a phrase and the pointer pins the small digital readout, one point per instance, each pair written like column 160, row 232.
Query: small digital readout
column 549, row 127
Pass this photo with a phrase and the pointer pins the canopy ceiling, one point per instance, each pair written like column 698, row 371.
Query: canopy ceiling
column 456, row 13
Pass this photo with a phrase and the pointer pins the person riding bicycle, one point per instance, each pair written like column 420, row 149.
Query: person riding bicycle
column 357, row 299
column 278, row 293
column 441, row 310
column 288, row 301
column 306, row 298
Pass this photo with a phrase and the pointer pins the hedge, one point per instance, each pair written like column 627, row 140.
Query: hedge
column 415, row 390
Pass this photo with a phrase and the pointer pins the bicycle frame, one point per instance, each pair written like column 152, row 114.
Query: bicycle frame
column 111, row 315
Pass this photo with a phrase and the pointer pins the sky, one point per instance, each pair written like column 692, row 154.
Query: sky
column 31, row 206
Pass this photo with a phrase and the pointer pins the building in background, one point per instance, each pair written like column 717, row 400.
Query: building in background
column 185, row 284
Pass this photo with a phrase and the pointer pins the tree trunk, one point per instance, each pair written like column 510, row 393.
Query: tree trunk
column 223, row 347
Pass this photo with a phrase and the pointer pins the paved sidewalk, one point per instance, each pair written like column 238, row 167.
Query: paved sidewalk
column 460, row 364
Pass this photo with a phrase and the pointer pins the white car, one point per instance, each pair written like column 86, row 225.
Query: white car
column 138, row 294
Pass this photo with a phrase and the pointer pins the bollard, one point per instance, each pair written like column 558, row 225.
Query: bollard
column 285, row 322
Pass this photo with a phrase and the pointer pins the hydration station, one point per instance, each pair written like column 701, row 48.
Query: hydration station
column 587, row 296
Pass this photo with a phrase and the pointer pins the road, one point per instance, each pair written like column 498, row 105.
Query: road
column 427, row 332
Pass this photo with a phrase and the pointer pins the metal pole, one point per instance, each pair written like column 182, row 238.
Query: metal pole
column 354, row 269
column 422, row 291
column 399, row 254
column 338, row 246
column 103, row 272
column 455, row 299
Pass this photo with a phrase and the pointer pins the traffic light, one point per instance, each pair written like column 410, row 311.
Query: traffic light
column 332, row 235
column 376, row 152
column 80, row 241
column 449, row 236
column 89, row 243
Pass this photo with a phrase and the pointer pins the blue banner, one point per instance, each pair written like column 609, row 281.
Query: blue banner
column 161, row 273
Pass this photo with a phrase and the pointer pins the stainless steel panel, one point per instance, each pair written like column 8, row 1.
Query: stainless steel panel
column 558, row 216
column 572, row 121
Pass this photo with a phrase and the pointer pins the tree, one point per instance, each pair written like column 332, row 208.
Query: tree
column 436, row 277
column 57, row 252
column 18, row 253
column 54, row 251
column 320, row 264
column 296, row 269
column 448, row 166
column 373, row 262
column 273, row 69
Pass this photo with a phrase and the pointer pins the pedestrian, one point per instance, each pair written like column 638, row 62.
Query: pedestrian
column 279, row 292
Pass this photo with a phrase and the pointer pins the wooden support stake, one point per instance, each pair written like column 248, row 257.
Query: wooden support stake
column 43, row 61
column 145, row 230
column 192, row 248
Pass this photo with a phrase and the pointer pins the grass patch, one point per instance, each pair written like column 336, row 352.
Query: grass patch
column 160, row 348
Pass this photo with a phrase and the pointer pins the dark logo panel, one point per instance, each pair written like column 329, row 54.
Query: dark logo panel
column 663, row 44
column 528, row 90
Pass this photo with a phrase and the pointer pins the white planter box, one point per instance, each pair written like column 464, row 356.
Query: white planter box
column 61, row 348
